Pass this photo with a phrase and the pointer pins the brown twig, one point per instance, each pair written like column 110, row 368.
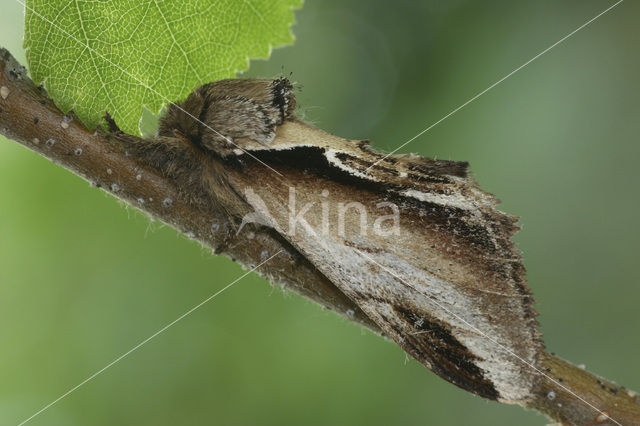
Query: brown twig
column 29, row 117
column 576, row 397
column 567, row 394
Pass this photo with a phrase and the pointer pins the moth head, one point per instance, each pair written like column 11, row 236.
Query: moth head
column 224, row 115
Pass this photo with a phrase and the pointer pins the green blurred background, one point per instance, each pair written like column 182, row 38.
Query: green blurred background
column 83, row 278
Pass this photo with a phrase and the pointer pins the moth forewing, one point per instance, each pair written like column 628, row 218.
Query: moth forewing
column 447, row 286
column 413, row 241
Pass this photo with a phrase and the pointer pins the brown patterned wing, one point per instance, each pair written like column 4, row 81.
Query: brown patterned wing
column 414, row 242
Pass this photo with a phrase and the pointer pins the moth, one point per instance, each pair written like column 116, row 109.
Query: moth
column 413, row 241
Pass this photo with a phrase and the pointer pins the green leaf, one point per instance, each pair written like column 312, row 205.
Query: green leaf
column 119, row 56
